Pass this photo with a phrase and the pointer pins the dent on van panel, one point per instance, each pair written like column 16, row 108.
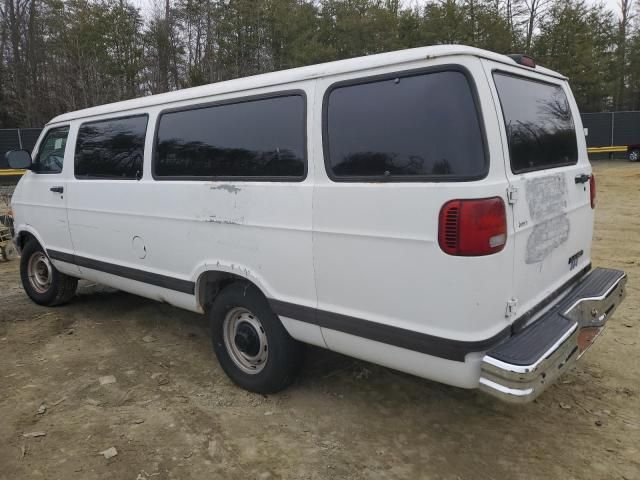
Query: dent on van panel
column 547, row 201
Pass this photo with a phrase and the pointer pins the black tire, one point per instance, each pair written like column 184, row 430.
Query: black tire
column 634, row 155
column 285, row 354
column 59, row 290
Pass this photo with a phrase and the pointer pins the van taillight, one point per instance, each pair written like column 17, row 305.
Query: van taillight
column 473, row 227
column 592, row 190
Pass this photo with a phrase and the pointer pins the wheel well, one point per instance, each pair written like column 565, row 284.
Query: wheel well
column 211, row 283
column 23, row 238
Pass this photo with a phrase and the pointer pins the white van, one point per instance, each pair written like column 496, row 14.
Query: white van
column 430, row 210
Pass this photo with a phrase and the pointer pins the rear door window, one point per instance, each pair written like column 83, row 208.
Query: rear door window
column 405, row 127
column 539, row 124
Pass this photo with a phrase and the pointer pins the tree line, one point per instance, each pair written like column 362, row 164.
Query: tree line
column 62, row 55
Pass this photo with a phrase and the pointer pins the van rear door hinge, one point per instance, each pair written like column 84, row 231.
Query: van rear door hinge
column 512, row 306
column 512, row 194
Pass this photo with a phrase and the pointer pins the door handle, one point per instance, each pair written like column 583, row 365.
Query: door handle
column 57, row 189
column 582, row 178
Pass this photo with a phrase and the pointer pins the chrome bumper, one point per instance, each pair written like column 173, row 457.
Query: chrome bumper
column 574, row 323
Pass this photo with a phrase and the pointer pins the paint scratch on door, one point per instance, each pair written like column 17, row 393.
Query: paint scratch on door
column 227, row 188
column 224, row 221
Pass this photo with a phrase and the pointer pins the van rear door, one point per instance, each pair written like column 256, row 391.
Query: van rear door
column 549, row 181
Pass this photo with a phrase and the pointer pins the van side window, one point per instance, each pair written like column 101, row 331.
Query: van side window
column 539, row 124
column 255, row 139
column 418, row 127
column 50, row 156
column 112, row 148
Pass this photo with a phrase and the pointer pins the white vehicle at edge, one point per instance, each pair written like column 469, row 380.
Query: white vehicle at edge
column 430, row 210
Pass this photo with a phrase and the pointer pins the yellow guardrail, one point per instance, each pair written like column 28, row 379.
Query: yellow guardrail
column 612, row 149
column 11, row 172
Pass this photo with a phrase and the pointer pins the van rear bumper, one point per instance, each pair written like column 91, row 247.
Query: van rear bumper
column 522, row 367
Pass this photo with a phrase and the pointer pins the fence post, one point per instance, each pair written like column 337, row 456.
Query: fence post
column 613, row 121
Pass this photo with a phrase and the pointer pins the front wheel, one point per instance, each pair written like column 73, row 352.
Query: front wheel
column 634, row 155
column 44, row 284
column 252, row 346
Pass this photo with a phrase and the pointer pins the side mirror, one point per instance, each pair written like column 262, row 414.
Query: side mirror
column 19, row 159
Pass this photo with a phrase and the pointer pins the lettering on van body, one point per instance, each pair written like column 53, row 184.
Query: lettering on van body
column 547, row 201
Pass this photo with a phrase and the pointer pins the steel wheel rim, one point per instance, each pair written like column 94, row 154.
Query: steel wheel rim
column 245, row 340
column 40, row 272
column 634, row 156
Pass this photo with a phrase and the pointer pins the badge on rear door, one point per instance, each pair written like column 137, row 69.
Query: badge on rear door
column 573, row 259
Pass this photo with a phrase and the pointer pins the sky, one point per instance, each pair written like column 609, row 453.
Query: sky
column 148, row 5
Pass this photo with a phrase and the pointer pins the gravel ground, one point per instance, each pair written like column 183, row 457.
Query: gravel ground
column 114, row 370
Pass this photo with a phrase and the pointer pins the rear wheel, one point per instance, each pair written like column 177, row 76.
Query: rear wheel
column 634, row 155
column 44, row 284
column 252, row 346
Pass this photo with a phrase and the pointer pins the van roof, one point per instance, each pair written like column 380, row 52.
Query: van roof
column 283, row 77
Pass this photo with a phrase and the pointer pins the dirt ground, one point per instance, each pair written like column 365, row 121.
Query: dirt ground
column 172, row 413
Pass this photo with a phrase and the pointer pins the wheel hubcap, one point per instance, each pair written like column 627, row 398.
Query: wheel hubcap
column 633, row 156
column 40, row 272
column 245, row 340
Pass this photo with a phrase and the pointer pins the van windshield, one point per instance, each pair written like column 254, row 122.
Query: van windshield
column 539, row 124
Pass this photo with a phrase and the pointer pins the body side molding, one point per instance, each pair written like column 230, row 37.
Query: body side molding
column 164, row 281
column 399, row 337
column 419, row 342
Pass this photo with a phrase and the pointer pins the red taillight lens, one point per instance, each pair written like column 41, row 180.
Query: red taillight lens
column 592, row 190
column 473, row 227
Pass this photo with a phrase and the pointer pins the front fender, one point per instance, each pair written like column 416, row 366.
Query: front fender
column 21, row 230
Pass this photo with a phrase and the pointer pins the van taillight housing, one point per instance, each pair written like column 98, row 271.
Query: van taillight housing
column 592, row 190
column 473, row 227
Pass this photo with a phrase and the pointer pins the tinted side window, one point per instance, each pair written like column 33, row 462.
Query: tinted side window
column 256, row 138
column 50, row 156
column 405, row 128
column 111, row 148
column 539, row 124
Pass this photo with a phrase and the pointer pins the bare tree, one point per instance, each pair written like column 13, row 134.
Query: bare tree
column 624, row 23
column 535, row 9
